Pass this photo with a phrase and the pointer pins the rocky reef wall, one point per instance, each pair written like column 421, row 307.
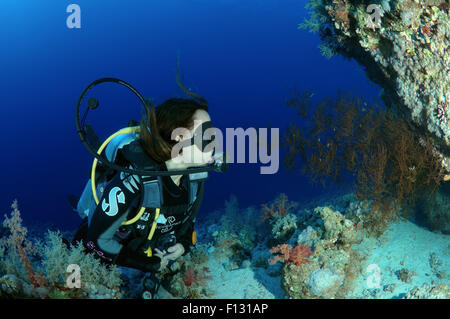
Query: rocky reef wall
column 403, row 46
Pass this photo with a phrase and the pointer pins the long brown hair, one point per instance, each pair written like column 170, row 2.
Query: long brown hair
column 156, row 127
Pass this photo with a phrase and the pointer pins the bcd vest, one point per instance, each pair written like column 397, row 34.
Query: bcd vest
column 152, row 193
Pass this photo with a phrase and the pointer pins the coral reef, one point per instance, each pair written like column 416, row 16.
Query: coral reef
column 38, row 270
column 326, row 256
column 284, row 226
column 435, row 265
column 404, row 47
column 323, row 256
column 279, row 208
column 237, row 235
column 436, row 207
column 191, row 276
column 279, row 215
column 323, row 283
column 291, row 255
column 188, row 276
column 98, row 281
column 333, row 266
column 16, row 248
column 429, row 292
column 405, row 275
column 347, row 139
column 13, row 287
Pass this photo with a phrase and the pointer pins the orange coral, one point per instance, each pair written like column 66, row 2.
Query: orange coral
column 340, row 13
column 191, row 275
column 426, row 30
column 297, row 255
column 279, row 209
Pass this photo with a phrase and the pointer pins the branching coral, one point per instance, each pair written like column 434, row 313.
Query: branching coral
column 17, row 242
column 283, row 227
column 191, row 275
column 280, row 208
column 317, row 18
column 190, row 279
column 97, row 280
column 292, row 255
column 379, row 148
column 236, row 239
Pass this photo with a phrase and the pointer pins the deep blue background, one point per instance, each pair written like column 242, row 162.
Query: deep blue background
column 241, row 55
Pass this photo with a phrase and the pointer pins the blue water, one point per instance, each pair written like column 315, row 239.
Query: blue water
column 241, row 55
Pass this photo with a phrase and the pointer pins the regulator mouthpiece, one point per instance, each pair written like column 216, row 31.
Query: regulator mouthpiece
column 220, row 164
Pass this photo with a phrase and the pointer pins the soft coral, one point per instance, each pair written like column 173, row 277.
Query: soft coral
column 294, row 255
column 17, row 240
column 280, row 208
column 191, row 276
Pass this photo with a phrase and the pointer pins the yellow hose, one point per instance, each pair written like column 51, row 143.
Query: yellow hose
column 126, row 130
column 152, row 231
column 135, row 218
column 149, row 251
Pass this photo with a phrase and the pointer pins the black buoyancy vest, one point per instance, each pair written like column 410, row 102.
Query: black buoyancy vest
column 152, row 196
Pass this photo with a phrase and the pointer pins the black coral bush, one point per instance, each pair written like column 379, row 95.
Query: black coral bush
column 343, row 139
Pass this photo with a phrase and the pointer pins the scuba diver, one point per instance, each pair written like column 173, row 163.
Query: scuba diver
column 140, row 205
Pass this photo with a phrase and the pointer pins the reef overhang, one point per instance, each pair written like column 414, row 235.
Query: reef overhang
column 404, row 47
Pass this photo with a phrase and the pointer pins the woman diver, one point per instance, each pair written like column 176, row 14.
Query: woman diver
column 147, row 222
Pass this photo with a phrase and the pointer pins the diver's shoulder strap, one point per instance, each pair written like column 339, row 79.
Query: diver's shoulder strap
column 195, row 180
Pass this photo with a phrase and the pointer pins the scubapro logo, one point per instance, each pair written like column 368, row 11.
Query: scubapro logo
column 169, row 224
column 116, row 197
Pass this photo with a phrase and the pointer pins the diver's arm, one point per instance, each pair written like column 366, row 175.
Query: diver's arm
column 117, row 201
column 185, row 234
column 112, row 209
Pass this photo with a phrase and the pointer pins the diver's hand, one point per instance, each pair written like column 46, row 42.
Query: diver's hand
column 175, row 251
column 172, row 253
column 163, row 256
